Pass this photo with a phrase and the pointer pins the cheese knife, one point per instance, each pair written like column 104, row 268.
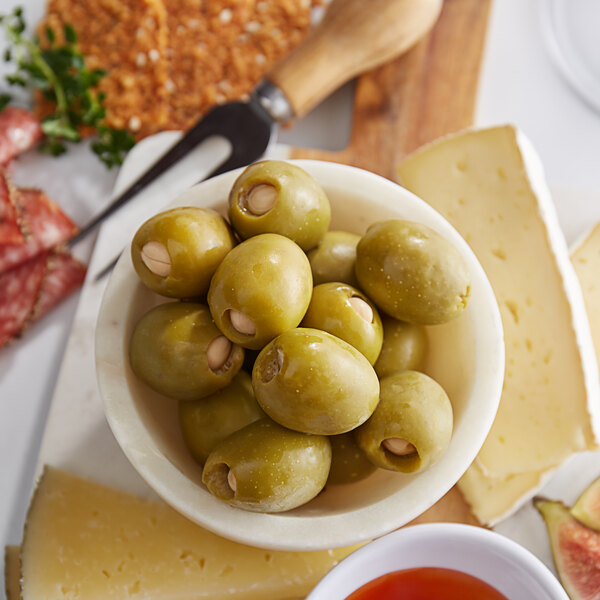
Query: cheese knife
column 353, row 36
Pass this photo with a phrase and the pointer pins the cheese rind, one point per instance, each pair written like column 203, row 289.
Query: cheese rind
column 84, row 540
column 585, row 257
column 488, row 183
column 493, row 499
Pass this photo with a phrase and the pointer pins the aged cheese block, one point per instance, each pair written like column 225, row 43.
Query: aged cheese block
column 489, row 184
column 12, row 572
column 495, row 498
column 83, row 540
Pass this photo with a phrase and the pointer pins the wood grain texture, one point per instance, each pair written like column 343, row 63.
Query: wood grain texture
column 427, row 93
column 354, row 36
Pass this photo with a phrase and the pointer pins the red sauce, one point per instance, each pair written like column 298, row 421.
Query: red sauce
column 427, row 583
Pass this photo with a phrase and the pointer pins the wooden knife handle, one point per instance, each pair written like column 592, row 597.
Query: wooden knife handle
column 354, row 36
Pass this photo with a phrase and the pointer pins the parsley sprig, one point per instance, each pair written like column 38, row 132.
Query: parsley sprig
column 60, row 73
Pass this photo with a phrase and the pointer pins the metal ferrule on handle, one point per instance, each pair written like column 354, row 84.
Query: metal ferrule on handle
column 270, row 98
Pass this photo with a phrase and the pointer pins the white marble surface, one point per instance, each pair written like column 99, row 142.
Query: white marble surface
column 520, row 84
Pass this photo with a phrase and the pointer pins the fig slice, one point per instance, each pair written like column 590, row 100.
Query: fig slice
column 587, row 507
column 575, row 549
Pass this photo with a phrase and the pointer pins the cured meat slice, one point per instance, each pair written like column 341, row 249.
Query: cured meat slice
column 64, row 274
column 46, row 224
column 19, row 291
column 19, row 131
column 33, row 288
column 10, row 230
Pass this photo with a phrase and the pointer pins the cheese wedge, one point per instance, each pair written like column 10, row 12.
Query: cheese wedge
column 489, row 184
column 495, row 498
column 12, row 572
column 83, row 540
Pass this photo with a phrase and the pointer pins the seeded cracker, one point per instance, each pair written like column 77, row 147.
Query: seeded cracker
column 218, row 50
column 114, row 35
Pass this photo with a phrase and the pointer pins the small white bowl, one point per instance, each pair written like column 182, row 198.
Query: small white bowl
column 493, row 558
column 466, row 357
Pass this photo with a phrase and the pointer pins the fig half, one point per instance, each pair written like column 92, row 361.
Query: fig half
column 575, row 549
column 587, row 507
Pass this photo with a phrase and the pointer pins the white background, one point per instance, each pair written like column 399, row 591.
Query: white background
column 520, row 84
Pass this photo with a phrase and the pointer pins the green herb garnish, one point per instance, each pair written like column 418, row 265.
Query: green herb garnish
column 59, row 72
column 4, row 100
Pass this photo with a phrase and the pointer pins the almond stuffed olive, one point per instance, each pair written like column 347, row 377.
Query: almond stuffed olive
column 411, row 426
column 333, row 259
column 267, row 468
column 348, row 462
column 277, row 197
column 412, row 273
column 261, row 289
column 176, row 252
column 311, row 381
column 347, row 313
column 207, row 421
column 404, row 348
column 177, row 350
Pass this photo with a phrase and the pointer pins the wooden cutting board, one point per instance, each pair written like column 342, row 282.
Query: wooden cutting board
column 425, row 94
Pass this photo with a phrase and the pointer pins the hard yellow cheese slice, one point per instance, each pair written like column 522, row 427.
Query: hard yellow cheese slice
column 86, row 541
column 489, row 184
column 495, row 498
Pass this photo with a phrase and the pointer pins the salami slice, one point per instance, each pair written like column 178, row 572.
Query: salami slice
column 10, row 229
column 46, row 224
column 19, row 291
column 33, row 288
column 19, row 131
column 64, row 274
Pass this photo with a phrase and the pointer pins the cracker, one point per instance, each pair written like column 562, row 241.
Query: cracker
column 219, row 50
column 170, row 61
column 127, row 38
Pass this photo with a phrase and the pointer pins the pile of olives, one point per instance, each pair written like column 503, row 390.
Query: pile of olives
column 284, row 387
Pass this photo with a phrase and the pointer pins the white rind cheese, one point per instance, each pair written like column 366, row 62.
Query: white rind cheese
column 494, row 499
column 505, row 496
column 489, row 184
column 87, row 541
column 585, row 257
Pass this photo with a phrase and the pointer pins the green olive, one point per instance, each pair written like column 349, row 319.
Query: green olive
column 333, row 259
column 176, row 252
column 206, row 422
column 348, row 462
column 404, row 347
column 311, row 381
column 261, row 289
column 267, row 468
column 412, row 273
column 411, row 426
column 277, row 197
column 348, row 314
column 177, row 350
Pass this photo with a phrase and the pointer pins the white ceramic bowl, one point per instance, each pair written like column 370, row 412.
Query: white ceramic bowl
column 491, row 557
column 466, row 358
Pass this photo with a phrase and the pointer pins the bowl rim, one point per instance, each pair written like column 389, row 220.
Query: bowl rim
column 363, row 561
column 281, row 531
